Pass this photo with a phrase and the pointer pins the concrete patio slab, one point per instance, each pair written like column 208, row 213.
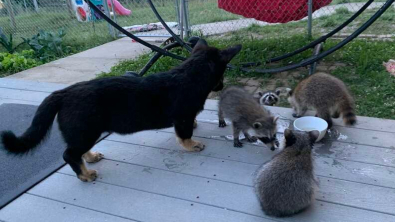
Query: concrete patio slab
column 85, row 65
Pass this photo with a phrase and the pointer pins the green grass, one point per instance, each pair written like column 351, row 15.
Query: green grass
column 372, row 87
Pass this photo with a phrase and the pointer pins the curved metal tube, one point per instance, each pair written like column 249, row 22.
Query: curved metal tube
column 156, row 57
column 320, row 56
column 315, row 42
column 180, row 41
column 130, row 35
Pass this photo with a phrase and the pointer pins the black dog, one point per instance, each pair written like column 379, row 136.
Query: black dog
column 127, row 105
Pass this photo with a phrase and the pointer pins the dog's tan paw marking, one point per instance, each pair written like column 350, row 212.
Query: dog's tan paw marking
column 192, row 145
column 93, row 157
column 194, row 123
column 89, row 176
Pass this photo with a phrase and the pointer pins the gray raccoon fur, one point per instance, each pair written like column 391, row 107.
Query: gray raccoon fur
column 269, row 98
column 245, row 113
column 285, row 185
column 327, row 94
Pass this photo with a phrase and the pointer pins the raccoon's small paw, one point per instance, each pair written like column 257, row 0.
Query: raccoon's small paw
column 221, row 123
column 295, row 115
column 252, row 139
column 90, row 176
column 237, row 143
column 195, row 124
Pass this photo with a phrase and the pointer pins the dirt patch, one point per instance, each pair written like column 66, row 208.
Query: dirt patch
column 283, row 80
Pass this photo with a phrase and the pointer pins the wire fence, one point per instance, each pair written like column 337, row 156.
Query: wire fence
column 24, row 18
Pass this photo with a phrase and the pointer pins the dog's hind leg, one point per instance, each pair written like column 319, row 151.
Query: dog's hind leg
column 184, row 131
column 73, row 157
column 92, row 157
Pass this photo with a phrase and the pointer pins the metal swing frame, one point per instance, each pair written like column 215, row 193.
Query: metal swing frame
column 176, row 41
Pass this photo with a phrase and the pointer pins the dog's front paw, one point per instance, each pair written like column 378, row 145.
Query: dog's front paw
column 221, row 123
column 89, row 176
column 93, row 157
column 192, row 145
column 237, row 143
column 198, row 146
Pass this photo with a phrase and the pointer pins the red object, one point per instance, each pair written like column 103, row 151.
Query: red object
column 272, row 11
column 82, row 12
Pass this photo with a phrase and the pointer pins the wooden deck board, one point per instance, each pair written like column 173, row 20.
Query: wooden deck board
column 190, row 164
column 147, row 176
column 341, row 134
column 196, row 189
column 254, row 154
column 175, row 159
column 363, row 122
column 131, row 203
column 33, row 208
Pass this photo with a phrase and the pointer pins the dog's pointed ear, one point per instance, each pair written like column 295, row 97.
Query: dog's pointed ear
column 229, row 53
column 201, row 44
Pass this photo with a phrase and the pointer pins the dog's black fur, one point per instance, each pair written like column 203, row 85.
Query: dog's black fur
column 127, row 105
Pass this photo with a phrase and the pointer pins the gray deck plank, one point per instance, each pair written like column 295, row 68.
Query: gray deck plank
column 133, row 204
column 363, row 122
column 341, row 134
column 30, row 85
column 217, row 193
column 206, row 166
column 190, row 165
column 220, row 148
column 32, row 208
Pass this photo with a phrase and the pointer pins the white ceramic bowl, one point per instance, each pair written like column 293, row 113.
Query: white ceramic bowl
column 310, row 123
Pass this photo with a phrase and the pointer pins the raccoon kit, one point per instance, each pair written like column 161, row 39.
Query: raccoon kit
column 286, row 184
column 269, row 98
column 245, row 113
column 326, row 94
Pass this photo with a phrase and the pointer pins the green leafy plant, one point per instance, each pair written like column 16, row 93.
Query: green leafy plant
column 47, row 44
column 8, row 43
column 17, row 62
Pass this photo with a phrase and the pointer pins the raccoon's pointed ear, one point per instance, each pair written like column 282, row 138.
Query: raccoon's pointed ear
column 260, row 93
column 229, row 53
column 257, row 125
column 201, row 44
column 314, row 135
column 275, row 119
column 289, row 137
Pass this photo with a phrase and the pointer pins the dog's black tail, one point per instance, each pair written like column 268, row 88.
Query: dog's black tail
column 42, row 122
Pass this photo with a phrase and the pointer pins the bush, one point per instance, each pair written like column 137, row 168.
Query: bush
column 48, row 45
column 17, row 62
